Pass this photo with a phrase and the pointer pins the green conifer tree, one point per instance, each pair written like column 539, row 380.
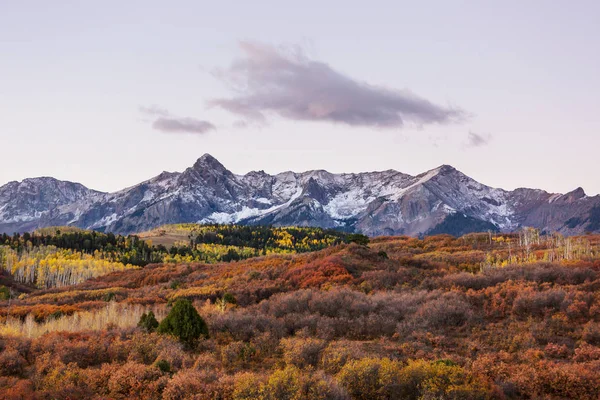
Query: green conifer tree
column 184, row 323
column 148, row 322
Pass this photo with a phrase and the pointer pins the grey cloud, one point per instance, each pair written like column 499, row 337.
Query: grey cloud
column 289, row 84
column 477, row 140
column 165, row 122
column 182, row 125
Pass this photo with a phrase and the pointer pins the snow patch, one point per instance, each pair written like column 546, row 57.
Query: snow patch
column 246, row 212
column 348, row 204
column 109, row 219
column 148, row 195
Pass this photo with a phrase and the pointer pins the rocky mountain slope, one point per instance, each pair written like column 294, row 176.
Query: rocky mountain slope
column 442, row 200
column 23, row 205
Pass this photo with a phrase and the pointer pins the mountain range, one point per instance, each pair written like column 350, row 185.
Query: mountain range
column 442, row 200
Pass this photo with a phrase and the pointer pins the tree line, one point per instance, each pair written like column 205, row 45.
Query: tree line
column 207, row 243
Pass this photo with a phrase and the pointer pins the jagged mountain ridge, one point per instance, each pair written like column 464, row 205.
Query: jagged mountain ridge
column 23, row 204
column 375, row 203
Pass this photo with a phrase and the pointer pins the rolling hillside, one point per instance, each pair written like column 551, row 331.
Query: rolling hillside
column 484, row 316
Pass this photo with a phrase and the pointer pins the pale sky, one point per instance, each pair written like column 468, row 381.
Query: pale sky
column 110, row 93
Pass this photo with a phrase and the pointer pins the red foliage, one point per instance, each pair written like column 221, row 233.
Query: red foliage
column 329, row 270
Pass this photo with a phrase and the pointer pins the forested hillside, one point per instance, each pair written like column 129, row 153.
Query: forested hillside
column 484, row 316
column 55, row 257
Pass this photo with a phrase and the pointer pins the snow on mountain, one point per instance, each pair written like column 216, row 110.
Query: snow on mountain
column 23, row 204
column 375, row 203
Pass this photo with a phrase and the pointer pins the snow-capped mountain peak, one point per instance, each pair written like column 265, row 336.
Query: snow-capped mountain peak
column 385, row 202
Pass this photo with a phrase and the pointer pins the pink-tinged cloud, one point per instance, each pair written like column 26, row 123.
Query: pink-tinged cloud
column 268, row 80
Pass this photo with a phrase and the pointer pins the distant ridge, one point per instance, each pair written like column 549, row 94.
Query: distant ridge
column 442, row 200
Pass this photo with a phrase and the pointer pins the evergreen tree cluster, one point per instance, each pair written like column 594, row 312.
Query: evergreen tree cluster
column 262, row 237
column 207, row 243
column 125, row 249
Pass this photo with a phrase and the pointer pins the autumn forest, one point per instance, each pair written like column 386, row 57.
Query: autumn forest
column 230, row 312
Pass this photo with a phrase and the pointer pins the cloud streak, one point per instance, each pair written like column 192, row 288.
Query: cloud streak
column 477, row 140
column 154, row 110
column 182, row 125
column 268, row 80
column 165, row 122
